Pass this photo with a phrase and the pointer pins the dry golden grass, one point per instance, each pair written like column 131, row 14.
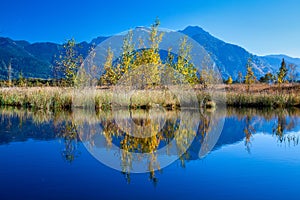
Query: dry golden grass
column 236, row 95
column 263, row 95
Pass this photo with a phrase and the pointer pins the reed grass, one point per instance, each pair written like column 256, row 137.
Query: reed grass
column 262, row 100
column 58, row 98
column 49, row 98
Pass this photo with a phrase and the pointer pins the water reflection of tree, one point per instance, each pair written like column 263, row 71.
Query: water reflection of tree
column 149, row 145
column 202, row 130
column 117, row 134
column 284, row 123
column 284, row 120
column 249, row 131
column 68, row 131
column 279, row 127
column 204, row 125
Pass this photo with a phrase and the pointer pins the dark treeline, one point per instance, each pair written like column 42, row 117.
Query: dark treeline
column 33, row 82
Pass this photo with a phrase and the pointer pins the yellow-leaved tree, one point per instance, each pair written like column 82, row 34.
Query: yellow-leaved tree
column 147, row 61
column 229, row 81
column 184, row 65
column 281, row 76
column 250, row 77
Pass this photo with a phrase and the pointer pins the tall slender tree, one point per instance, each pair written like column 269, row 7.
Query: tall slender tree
column 111, row 76
column 69, row 61
column 240, row 77
column 281, row 75
column 184, row 65
column 9, row 73
column 250, row 77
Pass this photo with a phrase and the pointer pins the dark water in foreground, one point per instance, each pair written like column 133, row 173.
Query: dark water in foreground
column 47, row 156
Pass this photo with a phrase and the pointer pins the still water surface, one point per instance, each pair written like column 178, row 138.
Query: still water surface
column 48, row 155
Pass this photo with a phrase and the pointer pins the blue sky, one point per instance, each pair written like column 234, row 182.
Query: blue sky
column 261, row 26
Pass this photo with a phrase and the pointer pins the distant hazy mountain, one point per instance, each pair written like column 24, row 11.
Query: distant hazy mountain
column 37, row 59
column 231, row 58
column 275, row 59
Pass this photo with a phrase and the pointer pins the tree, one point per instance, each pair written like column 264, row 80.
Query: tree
column 111, row 76
column 69, row 62
column 128, row 53
column 208, row 75
column 281, row 75
column 184, row 65
column 267, row 78
column 292, row 73
column 9, row 72
column 240, row 77
column 229, row 81
column 250, row 77
column 149, row 59
column 22, row 80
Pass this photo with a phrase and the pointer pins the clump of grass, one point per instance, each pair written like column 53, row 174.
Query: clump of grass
column 37, row 98
column 103, row 99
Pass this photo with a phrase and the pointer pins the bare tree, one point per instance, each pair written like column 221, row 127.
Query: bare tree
column 292, row 72
column 9, row 72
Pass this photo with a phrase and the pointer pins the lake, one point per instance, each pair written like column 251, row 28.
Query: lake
column 156, row 154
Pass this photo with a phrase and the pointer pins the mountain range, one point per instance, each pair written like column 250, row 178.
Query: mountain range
column 36, row 60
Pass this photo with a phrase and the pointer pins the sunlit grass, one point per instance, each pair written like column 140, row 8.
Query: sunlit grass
column 55, row 98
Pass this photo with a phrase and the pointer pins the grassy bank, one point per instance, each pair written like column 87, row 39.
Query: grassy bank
column 263, row 95
column 54, row 98
column 47, row 98
column 262, row 100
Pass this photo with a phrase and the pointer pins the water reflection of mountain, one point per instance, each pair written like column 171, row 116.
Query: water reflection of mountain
column 20, row 125
column 16, row 128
